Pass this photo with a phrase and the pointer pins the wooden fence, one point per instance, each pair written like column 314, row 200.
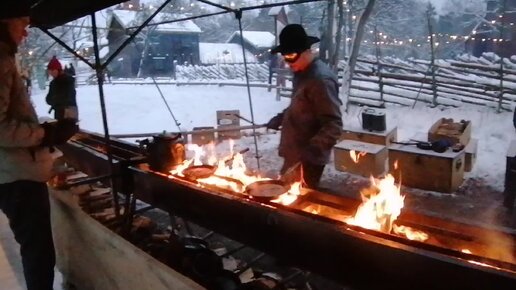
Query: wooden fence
column 466, row 80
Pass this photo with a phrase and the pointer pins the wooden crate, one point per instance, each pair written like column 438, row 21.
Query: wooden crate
column 426, row 169
column 372, row 163
column 359, row 134
column 434, row 133
column 471, row 150
column 471, row 154
column 200, row 137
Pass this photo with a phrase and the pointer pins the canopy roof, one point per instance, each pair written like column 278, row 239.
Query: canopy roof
column 51, row 13
column 129, row 18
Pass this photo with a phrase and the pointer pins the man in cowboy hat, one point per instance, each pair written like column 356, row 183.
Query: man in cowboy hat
column 312, row 123
column 25, row 158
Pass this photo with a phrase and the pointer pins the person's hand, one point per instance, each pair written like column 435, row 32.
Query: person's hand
column 275, row 122
column 59, row 132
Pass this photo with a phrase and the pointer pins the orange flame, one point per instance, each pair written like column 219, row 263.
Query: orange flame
column 231, row 172
column 356, row 157
column 290, row 196
column 379, row 211
column 396, row 164
column 382, row 204
column 410, row 233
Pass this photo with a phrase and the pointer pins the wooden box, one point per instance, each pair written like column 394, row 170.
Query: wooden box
column 471, row 150
column 358, row 134
column 201, row 137
column 471, row 154
column 372, row 163
column 228, row 119
column 456, row 132
column 426, row 169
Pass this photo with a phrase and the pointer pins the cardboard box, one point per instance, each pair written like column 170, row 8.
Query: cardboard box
column 358, row 134
column 372, row 163
column 200, row 137
column 456, row 132
column 227, row 119
column 426, row 169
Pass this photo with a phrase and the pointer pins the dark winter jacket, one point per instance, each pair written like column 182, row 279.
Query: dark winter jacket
column 312, row 123
column 20, row 133
column 61, row 94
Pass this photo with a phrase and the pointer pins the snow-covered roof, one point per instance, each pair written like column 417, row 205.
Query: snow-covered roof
column 259, row 39
column 128, row 18
column 223, row 53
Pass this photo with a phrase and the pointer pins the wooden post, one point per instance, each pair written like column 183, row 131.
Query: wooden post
column 432, row 55
column 378, row 63
column 502, row 28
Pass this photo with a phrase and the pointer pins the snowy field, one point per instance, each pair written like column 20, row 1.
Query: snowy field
column 140, row 109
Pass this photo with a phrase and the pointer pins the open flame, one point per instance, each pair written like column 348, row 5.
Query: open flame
column 356, row 157
column 380, row 207
column 290, row 196
column 382, row 204
column 231, row 171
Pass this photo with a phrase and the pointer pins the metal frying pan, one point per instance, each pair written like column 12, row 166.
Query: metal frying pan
column 199, row 171
column 266, row 190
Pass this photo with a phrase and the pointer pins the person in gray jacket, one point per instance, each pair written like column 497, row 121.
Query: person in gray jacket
column 25, row 157
column 312, row 123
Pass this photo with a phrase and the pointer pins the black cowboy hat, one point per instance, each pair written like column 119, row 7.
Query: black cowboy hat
column 15, row 8
column 293, row 38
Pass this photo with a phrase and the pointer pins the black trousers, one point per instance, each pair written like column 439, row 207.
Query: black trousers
column 27, row 207
column 311, row 173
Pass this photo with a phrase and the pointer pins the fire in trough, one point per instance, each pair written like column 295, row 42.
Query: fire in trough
column 337, row 237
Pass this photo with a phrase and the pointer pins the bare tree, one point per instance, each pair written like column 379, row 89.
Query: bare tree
column 357, row 40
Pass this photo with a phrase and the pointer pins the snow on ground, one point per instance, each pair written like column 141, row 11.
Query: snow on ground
column 140, row 109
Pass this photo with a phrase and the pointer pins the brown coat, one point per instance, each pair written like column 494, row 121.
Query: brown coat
column 312, row 123
column 20, row 132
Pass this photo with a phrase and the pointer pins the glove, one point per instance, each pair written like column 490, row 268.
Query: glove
column 59, row 132
column 275, row 122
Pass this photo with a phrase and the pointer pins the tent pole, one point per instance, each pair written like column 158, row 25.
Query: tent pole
column 100, row 79
column 238, row 15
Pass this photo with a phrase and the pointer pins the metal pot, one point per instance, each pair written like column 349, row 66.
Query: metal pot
column 164, row 151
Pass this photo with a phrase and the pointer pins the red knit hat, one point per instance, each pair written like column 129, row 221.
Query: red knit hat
column 55, row 64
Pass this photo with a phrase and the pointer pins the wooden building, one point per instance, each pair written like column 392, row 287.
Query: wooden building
column 162, row 46
column 257, row 42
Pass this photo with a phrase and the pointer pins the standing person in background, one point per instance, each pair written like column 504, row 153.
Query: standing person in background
column 25, row 158
column 61, row 94
column 312, row 123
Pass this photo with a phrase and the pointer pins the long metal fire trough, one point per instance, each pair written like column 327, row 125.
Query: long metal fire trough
column 322, row 243
column 333, row 249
